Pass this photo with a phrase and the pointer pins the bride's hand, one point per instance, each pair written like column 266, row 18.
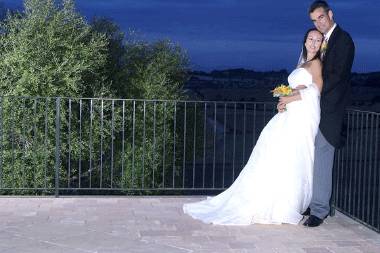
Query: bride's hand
column 281, row 107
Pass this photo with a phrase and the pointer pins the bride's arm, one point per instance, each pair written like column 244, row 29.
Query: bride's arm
column 300, row 87
column 288, row 99
column 283, row 101
column 316, row 72
column 295, row 95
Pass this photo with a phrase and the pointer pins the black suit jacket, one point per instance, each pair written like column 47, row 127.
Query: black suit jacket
column 336, row 91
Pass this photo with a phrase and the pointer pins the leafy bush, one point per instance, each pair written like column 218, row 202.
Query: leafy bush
column 49, row 51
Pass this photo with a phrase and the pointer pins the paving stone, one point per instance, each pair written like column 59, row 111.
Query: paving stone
column 242, row 245
column 317, row 250
column 151, row 233
column 347, row 243
column 345, row 249
column 369, row 248
column 157, row 224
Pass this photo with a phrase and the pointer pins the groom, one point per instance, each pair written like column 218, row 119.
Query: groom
column 337, row 58
column 337, row 54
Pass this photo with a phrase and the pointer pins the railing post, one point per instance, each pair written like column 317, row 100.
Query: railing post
column 57, row 144
column 1, row 142
column 334, row 182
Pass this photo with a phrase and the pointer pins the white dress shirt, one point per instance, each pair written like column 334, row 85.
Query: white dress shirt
column 328, row 34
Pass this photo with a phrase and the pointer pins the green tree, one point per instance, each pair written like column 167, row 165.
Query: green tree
column 49, row 50
column 113, row 68
column 155, row 70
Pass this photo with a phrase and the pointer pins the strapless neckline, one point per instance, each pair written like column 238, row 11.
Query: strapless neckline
column 307, row 71
column 300, row 76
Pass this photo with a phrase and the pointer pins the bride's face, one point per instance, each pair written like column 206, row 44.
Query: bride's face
column 313, row 42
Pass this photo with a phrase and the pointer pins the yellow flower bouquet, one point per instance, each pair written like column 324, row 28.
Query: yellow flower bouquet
column 282, row 90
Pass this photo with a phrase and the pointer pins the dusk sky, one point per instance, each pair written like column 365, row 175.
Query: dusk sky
column 259, row 35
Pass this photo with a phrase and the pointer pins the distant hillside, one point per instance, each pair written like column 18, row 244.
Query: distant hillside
column 234, row 84
column 249, row 85
column 371, row 79
column 241, row 73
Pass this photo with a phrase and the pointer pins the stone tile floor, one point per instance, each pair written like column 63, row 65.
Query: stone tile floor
column 157, row 224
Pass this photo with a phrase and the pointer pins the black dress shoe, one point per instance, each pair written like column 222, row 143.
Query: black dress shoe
column 307, row 212
column 313, row 221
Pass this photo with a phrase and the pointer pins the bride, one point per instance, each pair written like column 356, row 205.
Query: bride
column 275, row 186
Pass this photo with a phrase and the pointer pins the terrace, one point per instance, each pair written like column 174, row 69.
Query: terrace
column 157, row 224
column 74, row 147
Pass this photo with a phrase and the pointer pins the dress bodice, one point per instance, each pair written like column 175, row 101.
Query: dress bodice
column 300, row 76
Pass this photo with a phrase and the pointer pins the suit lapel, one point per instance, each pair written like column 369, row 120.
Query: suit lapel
column 332, row 41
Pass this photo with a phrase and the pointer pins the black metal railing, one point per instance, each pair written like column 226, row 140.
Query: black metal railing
column 356, row 173
column 131, row 146
column 70, row 145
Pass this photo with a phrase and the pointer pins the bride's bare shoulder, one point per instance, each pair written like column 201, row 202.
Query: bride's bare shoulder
column 315, row 68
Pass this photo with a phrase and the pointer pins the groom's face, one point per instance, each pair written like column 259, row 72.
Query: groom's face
column 322, row 20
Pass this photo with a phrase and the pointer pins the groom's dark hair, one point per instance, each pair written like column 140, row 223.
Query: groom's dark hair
column 319, row 4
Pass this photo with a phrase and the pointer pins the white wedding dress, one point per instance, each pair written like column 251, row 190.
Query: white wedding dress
column 275, row 186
